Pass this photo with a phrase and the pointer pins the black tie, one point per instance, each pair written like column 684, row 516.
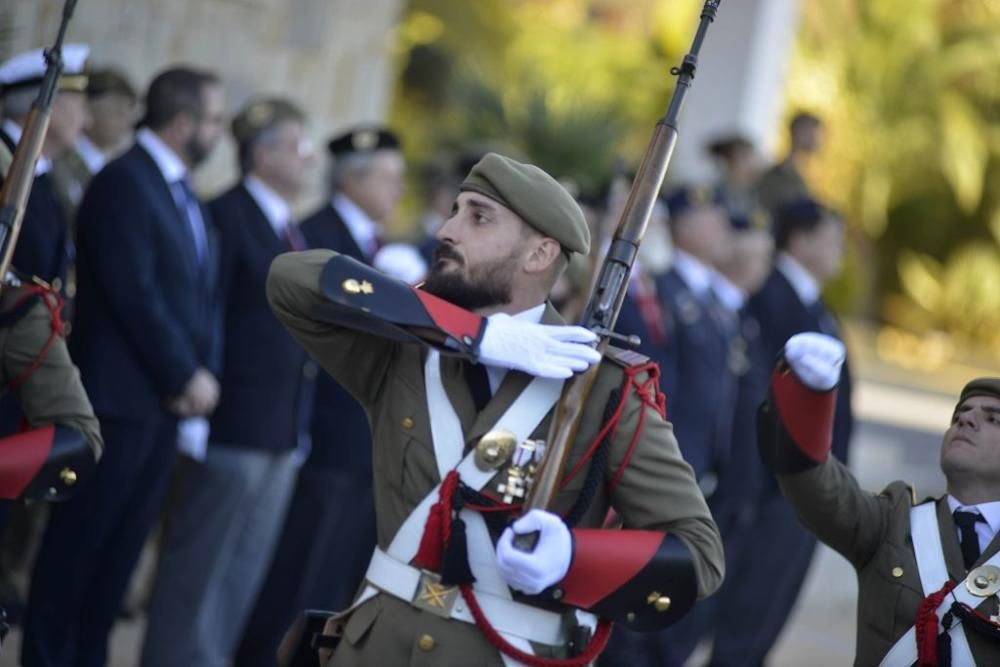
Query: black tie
column 479, row 384
column 966, row 522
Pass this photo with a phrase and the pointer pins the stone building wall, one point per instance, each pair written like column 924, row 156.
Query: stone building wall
column 332, row 56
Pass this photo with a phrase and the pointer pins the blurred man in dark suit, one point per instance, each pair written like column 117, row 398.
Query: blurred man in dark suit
column 147, row 345
column 766, row 577
column 314, row 565
column 221, row 534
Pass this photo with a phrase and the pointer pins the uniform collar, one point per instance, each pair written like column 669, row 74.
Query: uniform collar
column 730, row 296
column 802, row 281
column 169, row 163
column 92, row 156
column 14, row 131
column 989, row 511
column 363, row 229
column 696, row 274
column 275, row 208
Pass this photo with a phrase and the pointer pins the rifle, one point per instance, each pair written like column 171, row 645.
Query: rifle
column 21, row 174
column 602, row 310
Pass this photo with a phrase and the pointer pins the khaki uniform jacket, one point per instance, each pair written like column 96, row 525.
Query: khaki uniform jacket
column 873, row 533
column 52, row 393
column 780, row 185
column 657, row 490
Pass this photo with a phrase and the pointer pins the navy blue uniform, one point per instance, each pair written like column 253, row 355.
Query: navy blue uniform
column 764, row 581
column 694, row 364
column 329, row 534
column 696, row 359
column 147, row 318
column 44, row 248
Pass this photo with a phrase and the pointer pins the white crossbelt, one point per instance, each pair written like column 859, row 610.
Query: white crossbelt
column 389, row 570
column 506, row 615
column 933, row 574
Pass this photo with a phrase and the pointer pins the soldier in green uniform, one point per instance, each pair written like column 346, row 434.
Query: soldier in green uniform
column 784, row 183
column 928, row 571
column 59, row 449
column 459, row 404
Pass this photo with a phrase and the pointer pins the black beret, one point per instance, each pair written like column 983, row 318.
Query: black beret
column 363, row 139
column 683, row 199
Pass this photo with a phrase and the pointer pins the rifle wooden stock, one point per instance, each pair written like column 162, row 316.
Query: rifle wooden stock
column 21, row 174
column 609, row 292
column 17, row 183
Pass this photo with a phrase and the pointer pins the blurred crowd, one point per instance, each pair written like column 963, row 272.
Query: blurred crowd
column 249, row 468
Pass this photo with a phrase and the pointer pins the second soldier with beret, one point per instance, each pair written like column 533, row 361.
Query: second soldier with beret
column 458, row 379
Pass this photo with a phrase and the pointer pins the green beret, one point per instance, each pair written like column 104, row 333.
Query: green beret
column 533, row 195
column 980, row 387
column 261, row 115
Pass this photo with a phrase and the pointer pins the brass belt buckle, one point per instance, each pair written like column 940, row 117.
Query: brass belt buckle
column 433, row 596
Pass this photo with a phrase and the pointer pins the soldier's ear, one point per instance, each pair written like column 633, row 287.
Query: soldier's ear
column 545, row 252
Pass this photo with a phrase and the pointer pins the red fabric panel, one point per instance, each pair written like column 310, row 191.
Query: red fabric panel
column 21, row 457
column 606, row 560
column 806, row 414
column 456, row 322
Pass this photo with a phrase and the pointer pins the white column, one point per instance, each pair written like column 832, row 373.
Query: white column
column 739, row 85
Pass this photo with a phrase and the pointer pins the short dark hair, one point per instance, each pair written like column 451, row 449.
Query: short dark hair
column 803, row 120
column 175, row 91
column 108, row 81
column 801, row 216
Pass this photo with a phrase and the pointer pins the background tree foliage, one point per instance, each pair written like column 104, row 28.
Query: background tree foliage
column 568, row 84
column 909, row 90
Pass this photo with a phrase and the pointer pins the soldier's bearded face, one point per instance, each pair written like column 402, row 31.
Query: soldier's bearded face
column 971, row 446
column 487, row 284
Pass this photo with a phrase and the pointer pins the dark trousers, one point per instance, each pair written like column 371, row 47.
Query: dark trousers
column 321, row 558
column 92, row 543
column 761, row 587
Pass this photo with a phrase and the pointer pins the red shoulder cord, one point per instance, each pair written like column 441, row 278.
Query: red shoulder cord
column 926, row 626
column 54, row 306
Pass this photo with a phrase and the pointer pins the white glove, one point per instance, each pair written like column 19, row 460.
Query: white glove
column 547, row 565
column 816, row 359
column 544, row 350
column 401, row 261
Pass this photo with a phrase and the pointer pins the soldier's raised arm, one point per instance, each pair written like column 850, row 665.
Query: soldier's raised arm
column 795, row 433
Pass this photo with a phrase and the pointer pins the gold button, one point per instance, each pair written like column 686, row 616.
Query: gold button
column 426, row 642
column 662, row 604
column 897, row 572
column 630, row 617
column 408, row 424
column 68, row 476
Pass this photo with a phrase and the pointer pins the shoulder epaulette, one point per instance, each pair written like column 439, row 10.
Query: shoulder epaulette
column 625, row 358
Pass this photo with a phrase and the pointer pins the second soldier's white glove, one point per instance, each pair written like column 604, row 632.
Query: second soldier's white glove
column 816, row 359
column 532, row 572
column 544, row 350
